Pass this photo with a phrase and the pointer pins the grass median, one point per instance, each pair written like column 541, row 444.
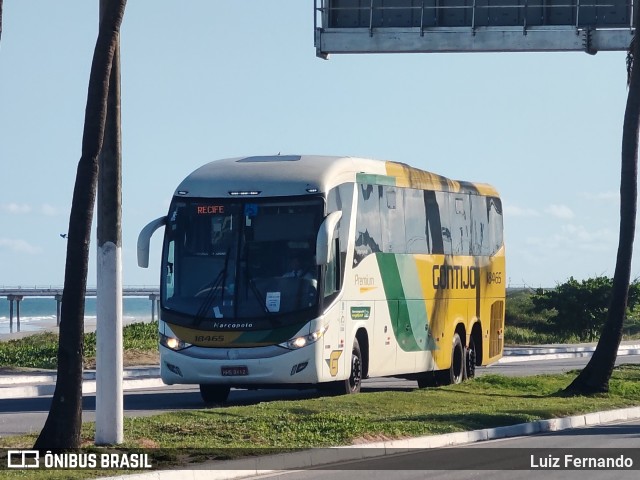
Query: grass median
column 233, row 431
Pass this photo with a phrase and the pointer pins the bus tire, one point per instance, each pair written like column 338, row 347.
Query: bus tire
column 214, row 393
column 471, row 358
column 354, row 382
column 455, row 374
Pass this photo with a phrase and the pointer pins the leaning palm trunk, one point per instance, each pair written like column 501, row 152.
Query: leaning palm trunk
column 62, row 427
column 595, row 376
column 0, row 19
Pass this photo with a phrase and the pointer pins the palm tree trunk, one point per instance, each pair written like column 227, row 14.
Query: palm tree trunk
column 596, row 375
column 62, row 427
column 0, row 19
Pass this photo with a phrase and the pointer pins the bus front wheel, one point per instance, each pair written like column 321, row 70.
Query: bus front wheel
column 214, row 393
column 354, row 382
column 351, row 384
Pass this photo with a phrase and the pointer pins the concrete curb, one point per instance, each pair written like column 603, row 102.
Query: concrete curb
column 528, row 354
column 312, row 458
column 88, row 387
column 30, row 385
column 46, row 377
column 549, row 349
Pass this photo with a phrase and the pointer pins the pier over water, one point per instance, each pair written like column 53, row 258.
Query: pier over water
column 15, row 295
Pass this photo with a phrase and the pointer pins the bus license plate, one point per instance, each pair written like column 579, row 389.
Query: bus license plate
column 235, row 371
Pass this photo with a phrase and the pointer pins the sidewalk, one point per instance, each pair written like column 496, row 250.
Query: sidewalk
column 249, row 467
column 37, row 383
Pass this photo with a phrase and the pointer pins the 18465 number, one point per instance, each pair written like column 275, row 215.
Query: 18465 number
column 494, row 277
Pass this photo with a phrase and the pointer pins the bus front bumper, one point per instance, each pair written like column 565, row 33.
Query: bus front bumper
column 290, row 367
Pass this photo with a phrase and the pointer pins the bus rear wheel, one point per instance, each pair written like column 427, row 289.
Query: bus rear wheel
column 214, row 393
column 456, row 373
column 471, row 358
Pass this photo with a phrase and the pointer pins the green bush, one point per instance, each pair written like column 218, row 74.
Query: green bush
column 572, row 312
column 40, row 350
column 520, row 312
column 35, row 351
column 579, row 309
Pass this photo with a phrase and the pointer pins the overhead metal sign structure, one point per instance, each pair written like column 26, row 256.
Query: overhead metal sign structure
column 424, row 26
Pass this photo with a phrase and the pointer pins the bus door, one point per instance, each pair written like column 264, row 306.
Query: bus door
column 384, row 347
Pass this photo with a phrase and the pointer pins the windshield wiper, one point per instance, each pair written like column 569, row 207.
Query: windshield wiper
column 218, row 285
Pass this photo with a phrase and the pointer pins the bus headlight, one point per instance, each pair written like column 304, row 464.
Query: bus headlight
column 303, row 341
column 173, row 343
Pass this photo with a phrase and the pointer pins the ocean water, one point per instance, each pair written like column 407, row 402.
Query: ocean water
column 37, row 313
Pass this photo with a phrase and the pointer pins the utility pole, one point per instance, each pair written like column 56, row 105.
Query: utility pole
column 109, row 394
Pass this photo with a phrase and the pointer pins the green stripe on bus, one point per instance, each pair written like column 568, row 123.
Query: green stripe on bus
column 374, row 179
column 410, row 325
column 390, row 276
column 416, row 304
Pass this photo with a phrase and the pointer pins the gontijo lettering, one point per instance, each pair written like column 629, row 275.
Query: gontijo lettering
column 454, row 277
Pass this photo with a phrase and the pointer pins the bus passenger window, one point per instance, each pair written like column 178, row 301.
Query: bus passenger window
column 442, row 199
column 416, row 222
column 495, row 224
column 392, row 220
column 368, row 228
column 479, row 226
column 460, row 224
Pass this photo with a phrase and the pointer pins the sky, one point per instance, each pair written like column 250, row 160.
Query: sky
column 204, row 80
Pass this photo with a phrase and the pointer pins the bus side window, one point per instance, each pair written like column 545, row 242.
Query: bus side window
column 340, row 198
column 392, row 220
column 333, row 269
column 368, row 229
column 416, row 232
column 434, row 225
column 479, row 226
column 460, row 223
column 442, row 199
column 170, row 278
column 494, row 207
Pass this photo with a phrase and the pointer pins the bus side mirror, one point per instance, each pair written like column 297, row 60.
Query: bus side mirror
column 144, row 239
column 325, row 234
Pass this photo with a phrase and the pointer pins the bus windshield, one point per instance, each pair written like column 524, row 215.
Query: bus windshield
column 248, row 259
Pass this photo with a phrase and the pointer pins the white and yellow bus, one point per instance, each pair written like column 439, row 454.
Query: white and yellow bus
column 313, row 270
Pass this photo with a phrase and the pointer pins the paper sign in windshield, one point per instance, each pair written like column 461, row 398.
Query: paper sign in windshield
column 273, row 301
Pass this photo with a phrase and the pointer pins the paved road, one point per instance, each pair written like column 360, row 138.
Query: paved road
column 26, row 415
column 548, row 366
column 622, row 438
